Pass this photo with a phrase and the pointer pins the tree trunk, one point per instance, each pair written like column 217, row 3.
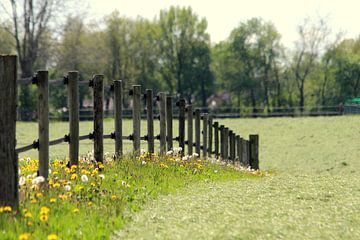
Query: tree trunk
column 302, row 97
column 253, row 101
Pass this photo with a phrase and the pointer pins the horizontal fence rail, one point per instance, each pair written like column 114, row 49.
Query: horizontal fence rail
column 204, row 136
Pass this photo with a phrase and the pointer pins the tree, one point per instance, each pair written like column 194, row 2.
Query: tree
column 254, row 47
column 184, row 49
column 313, row 36
column 30, row 21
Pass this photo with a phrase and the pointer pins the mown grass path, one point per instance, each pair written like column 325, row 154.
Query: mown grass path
column 313, row 195
column 278, row 207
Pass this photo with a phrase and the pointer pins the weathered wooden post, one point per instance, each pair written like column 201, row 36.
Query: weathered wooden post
column 43, row 115
column 216, row 139
column 190, row 129
column 169, row 122
column 8, row 158
column 118, row 101
column 238, row 148
column 205, row 132
column 73, row 105
column 98, row 117
column 182, row 125
column 254, row 151
column 150, row 120
column 162, row 101
column 226, row 143
column 136, row 117
column 229, row 142
column 245, row 152
column 210, row 134
column 232, row 145
column 222, row 142
column 197, row 131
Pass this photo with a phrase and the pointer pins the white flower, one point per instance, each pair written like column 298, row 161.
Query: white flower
column 169, row 152
column 67, row 187
column 28, row 159
column 38, row 180
column 143, row 162
column 22, row 180
column 142, row 151
column 123, row 183
column 185, row 158
column 102, row 176
column 195, row 155
column 84, row 178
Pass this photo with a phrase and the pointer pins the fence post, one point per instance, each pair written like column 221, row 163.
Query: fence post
column 182, row 125
column 238, row 148
column 190, row 129
column 118, row 99
column 245, row 152
column 226, row 143
column 98, row 117
column 254, row 151
column 169, row 123
column 73, row 104
column 197, row 131
column 232, row 146
column 43, row 115
column 150, row 120
column 210, row 130
column 216, row 139
column 8, row 158
column 205, row 125
column 136, row 117
column 222, row 142
column 162, row 100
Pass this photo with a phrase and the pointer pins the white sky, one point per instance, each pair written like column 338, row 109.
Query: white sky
column 225, row 15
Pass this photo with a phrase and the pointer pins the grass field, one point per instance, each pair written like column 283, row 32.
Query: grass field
column 314, row 193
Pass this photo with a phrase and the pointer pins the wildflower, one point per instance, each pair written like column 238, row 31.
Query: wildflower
column 44, row 217
column 22, row 181
column 143, row 162
column 1, row 209
column 142, row 151
column 76, row 210
column 7, row 209
column 185, row 158
column 33, row 201
column 101, row 166
column 84, row 178
column 52, row 200
column 89, row 204
column 73, row 176
column 39, row 195
column 52, row 237
column 56, row 185
column 38, row 180
column 168, row 153
column 30, row 223
column 93, row 184
column 123, row 183
column 113, row 197
column 102, row 176
column 63, row 196
column 195, row 155
column 44, row 210
column 24, row 236
column 28, row 215
column 67, row 187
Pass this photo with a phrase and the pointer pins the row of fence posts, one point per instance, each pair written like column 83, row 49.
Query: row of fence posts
column 230, row 147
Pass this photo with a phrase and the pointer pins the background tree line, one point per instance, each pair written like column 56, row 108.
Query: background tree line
column 173, row 52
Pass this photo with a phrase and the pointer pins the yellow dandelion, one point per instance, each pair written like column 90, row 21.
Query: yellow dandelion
column 30, row 223
column 33, row 201
column 44, row 210
column 44, row 217
column 113, row 197
column 1, row 209
column 89, row 204
column 52, row 200
column 63, row 197
column 76, row 210
column 7, row 209
column 73, row 176
column 52, row 237
column 93, row 184
column 24, row 236
column 28, row 215
column 56, row 185
column 39, row 195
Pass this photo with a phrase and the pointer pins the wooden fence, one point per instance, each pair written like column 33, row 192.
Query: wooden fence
column 211, row 138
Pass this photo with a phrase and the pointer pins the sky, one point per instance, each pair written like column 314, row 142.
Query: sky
column 225, row 15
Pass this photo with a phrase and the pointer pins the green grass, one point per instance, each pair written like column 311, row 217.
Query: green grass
column 313, row 194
